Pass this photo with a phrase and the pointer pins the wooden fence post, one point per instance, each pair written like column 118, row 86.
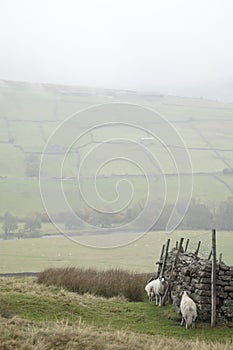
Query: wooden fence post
column 165, row 258
column 213, row 280
column 220, row 258
column 198, row 247
column 209, row 257
column 186, row 246
column 172, row 269
column 179, row 250
column 160, row 262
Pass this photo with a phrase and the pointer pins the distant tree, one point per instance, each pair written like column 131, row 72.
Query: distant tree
column 10, row 224
column 198, row 216
column 99, row 219
column 20, row 233
column 224, row 215
column 152, row 211
column 45, row 218
column 72, row 221
column 102, row 220
column 32, row 222
column 163, row 219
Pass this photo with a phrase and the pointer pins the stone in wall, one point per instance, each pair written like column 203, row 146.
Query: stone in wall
column 193, row 274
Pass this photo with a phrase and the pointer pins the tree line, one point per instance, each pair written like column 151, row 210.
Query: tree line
column 31, row 226
column 199, row 216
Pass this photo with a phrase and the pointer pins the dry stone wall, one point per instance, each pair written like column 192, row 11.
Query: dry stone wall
column 193, row 274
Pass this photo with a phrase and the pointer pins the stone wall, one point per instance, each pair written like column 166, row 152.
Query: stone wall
column 194, row 275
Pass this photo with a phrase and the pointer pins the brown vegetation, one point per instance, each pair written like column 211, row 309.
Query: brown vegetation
column 19, row 334
column 107, row 283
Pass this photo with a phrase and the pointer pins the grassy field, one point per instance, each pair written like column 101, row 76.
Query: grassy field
column 23, row 196
column 37, row 254
column 36, row 317
column 29, row 113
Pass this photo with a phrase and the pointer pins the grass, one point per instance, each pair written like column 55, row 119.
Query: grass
column 20, row 197
column 23, row 196
column 23, row 105
column 35, row 316
column 38, row 254
column 30, row 141
column 11, row 161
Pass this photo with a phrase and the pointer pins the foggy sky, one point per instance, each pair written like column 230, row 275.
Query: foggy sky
column 180, row 47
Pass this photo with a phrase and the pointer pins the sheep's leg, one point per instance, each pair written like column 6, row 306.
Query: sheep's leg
column 160, row 300
column 193, row 323
column 182, row 321
column 156, row 299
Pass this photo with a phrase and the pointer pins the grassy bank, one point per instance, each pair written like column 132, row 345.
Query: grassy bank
column 34, row 316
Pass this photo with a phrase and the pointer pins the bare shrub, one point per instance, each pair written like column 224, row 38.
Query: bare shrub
column 107, row 283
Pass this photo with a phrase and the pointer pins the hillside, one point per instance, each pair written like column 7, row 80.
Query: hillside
column 29, row 113
column 34, row 316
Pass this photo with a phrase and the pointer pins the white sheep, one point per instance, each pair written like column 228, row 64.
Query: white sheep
column 159, row 286
column 155, row 288
column 149, row 288
column 188, row 310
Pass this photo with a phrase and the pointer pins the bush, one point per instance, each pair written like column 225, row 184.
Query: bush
column 107, row 283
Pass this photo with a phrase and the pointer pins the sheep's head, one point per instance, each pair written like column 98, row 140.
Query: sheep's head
column 162, row 279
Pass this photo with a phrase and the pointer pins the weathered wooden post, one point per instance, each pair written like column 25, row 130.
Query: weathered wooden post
column 160, row 262
column 187, row 244
column 178, row 252
column 209, row 257
column 165, row 258
column 172, row 270
column 198, row 247
column 213, row 280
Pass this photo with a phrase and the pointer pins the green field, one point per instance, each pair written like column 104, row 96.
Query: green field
column 23, row 196
column 37, row 254
column 29, row 113
column 35, row 317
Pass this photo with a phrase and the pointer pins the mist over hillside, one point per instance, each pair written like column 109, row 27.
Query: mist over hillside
column 59, row 163
column 30, row 114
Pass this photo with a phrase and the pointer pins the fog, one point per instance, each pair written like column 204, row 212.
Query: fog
column 171, row 47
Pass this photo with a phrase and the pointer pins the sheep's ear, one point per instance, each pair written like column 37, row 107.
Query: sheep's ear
column 181, row 292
